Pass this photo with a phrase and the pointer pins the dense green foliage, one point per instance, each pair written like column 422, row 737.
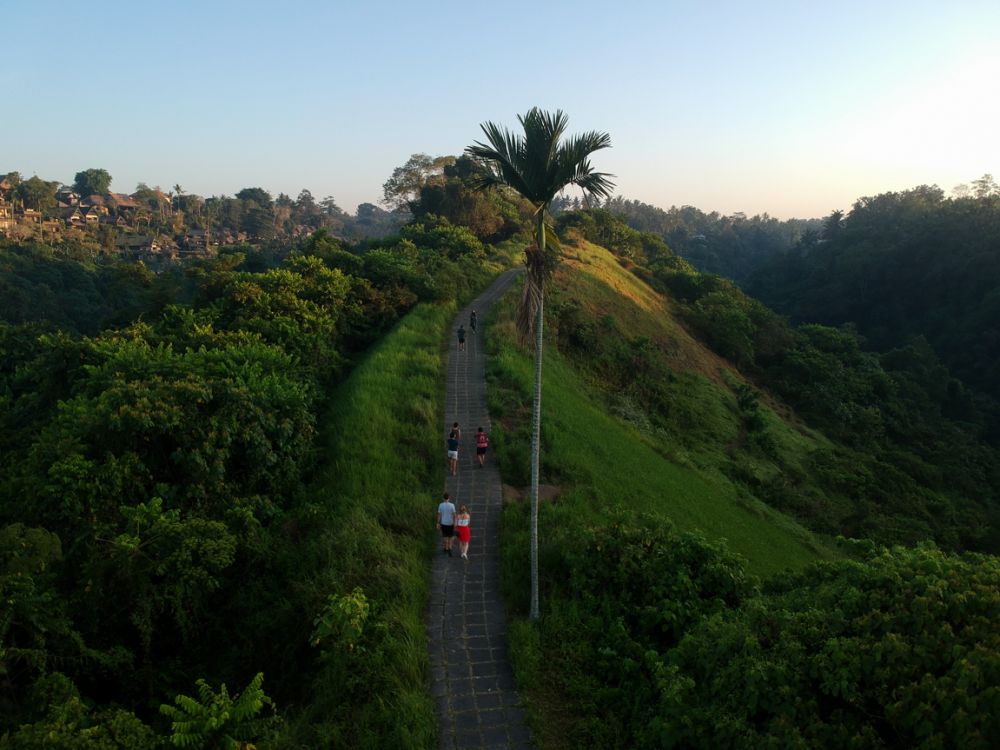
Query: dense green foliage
column 657, row 639
column 157, row 531
column 900, row 650
column 901, row 266
column 492, row 216
column 92, row 182
column 74, row 292
column 222, row 474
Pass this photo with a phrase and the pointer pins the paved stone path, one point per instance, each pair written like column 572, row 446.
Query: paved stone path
column 471, row 679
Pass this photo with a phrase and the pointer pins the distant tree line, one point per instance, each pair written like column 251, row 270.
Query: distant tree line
column 900, row 266
column 731, row 246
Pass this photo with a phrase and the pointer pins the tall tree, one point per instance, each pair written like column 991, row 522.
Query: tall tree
column 538, row 165
column 985, row 186
column 92, row 182
column 36, row 193
column 258, row 195
column 404, row 185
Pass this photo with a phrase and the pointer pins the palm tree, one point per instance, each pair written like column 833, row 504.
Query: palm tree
column 538, row 166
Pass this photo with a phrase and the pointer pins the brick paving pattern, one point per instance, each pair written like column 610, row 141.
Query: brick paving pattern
column 471, row 679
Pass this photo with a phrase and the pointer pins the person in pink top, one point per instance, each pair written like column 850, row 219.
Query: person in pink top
column 482, row 441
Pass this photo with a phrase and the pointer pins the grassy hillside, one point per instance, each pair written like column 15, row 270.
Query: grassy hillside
column 604, row 452
column 655, row 629
column 604, row 464
column 617, row 467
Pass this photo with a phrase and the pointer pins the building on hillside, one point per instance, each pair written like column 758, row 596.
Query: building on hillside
column 71, row 216
column 122, row 204
column 66, row 195
column 116, row 221
column 146, row 248
column 6, row 215
column 228, row 237
column 94, row 204
column 137, row 246
column 194, row 242
column 31, row 216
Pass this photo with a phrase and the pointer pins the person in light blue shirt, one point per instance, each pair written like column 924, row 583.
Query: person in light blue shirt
column 446, row 522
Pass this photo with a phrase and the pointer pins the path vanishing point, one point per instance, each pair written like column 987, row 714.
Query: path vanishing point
column 471, row 679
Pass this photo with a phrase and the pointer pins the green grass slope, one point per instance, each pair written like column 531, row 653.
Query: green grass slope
column 604, row 453
column 603, row 465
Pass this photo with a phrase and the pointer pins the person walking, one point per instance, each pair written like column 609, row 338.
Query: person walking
column 461, row 338
column 462, row 530
column 457, row 430
column 473, row 319
column 453, row 452
column 482, row 441
column 446, row 523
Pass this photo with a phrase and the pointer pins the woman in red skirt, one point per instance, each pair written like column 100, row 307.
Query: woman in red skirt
column 462, row 530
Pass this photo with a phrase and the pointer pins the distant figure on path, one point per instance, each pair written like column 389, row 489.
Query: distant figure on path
column 472, row 321
column 453, row 452
column 461, row 338
column 457, row 430
column 463, row 531
column 482, row 441
column 446, row 522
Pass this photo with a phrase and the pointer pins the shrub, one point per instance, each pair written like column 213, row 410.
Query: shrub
column 900, row 651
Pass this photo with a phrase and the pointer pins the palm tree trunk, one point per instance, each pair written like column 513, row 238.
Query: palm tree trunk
column 536, row 424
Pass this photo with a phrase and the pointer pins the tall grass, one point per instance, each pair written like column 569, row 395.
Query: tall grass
column 371, row 515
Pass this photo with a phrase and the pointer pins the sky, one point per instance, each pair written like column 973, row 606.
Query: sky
column 795, row 109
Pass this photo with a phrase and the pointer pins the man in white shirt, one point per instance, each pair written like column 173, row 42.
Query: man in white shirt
column 446, row 522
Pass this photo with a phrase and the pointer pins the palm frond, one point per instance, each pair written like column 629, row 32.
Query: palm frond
column 540, row 163
column 575, row 166
column 502, row 158
column 542, row 133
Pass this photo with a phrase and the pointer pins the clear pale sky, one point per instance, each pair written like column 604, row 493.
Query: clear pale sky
column 793, row 108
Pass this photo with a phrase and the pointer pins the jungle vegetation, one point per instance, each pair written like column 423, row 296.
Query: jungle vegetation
column 216, row 481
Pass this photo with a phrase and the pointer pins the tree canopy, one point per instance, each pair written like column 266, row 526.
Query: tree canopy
column 92, row 182
column 404, row 185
